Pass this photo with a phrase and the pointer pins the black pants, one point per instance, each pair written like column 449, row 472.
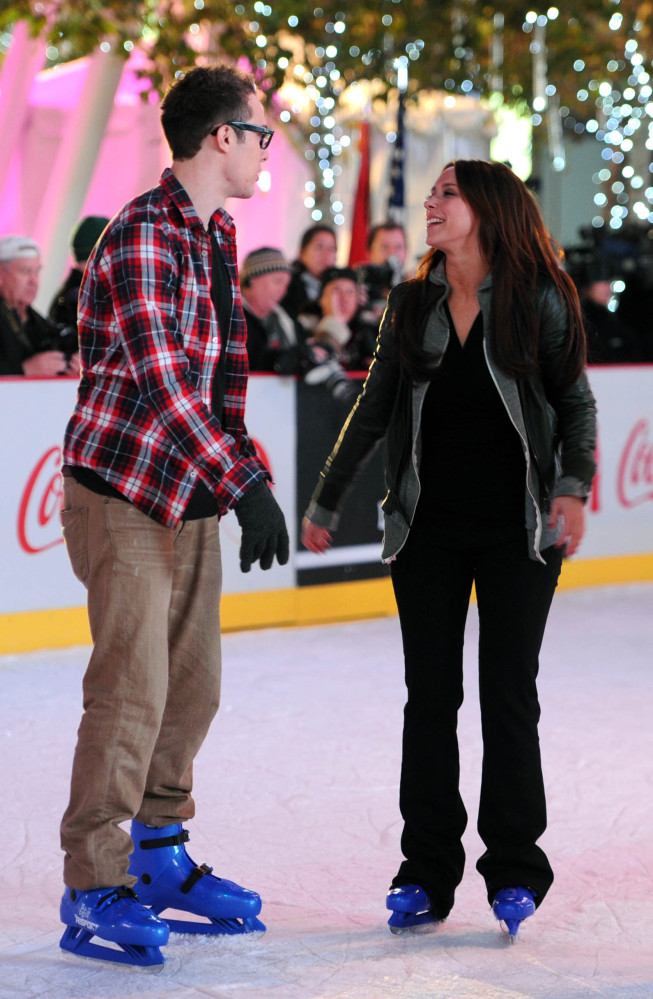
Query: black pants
column 432, row 586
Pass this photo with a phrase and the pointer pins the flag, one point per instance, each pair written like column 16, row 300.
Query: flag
column 397, row 164
column 361, row 216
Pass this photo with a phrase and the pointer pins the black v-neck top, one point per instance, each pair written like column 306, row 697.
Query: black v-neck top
column 472, row 470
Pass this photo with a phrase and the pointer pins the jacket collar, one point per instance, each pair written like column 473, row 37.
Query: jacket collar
column 437, row 276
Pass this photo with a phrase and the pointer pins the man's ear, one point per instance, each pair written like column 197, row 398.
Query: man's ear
column 224, row 138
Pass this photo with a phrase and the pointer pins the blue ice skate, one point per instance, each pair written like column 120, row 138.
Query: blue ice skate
column 411, row 908
column 169, row 879
column 511, row 906
column 115, row 915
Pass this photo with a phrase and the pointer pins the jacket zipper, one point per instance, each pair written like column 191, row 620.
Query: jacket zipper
column 538, row 515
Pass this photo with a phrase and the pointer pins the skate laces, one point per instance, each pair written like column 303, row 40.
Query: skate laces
column 114, row 895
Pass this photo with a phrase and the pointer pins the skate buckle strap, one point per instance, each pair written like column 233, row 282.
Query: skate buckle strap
column 154, row 844
column 113, row 895
column 195, row 875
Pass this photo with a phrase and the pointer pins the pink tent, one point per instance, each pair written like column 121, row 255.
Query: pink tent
column 131, row 157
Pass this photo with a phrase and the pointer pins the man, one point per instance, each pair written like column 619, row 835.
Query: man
column 274, row 339
column 387, row 251
column 278, row 343
column 317, row 252
column 83, row 238
column 386, row 243
column 155, row 452
column 29, row 343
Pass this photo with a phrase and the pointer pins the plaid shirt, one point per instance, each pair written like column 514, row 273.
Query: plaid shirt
column 149, row 345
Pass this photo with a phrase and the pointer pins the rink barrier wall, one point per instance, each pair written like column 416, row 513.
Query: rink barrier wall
column 301, row 607
column 294, row 426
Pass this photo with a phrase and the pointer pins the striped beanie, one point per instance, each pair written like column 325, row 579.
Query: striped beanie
column 263, row 261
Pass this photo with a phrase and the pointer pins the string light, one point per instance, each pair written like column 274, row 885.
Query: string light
column 619, row 115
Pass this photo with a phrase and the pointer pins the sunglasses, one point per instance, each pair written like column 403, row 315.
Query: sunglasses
column 264, row 134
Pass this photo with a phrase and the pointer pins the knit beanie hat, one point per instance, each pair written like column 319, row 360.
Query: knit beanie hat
column 335, row 274
column 263, row 261
column 85, row 235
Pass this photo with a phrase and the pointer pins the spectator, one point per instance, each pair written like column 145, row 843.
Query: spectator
column 335, row 320
column 387, row 250
column 274, row 339
column 83, row 238
column 317, row 252
column 330, row 317
column 386, row 244
column 636, row 305
column 277, row 342
column 30, row 344
column 609, row 339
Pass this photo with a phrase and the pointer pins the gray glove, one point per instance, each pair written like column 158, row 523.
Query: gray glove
column 264, row 528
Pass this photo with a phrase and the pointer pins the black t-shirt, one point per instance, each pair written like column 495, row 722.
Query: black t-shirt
column 203, row 503
column 472, row 469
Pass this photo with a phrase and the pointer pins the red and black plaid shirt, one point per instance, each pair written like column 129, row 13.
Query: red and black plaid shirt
column 149, row 345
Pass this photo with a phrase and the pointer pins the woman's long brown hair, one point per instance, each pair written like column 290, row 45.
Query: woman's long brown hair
column 514, row 240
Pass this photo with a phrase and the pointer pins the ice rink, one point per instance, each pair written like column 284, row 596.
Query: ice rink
column 296, row 789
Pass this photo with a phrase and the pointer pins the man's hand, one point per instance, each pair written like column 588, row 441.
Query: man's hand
column 45, row 365
column 264, row 529
column 74, row 365
column 570, row 512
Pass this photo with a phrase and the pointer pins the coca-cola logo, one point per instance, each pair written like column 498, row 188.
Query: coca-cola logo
column 39, row 525
column 635, row 474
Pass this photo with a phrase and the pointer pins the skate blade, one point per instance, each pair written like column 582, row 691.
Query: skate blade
column 511, row 928
column 402, row 923
column 76, row 945
column 168, row 969
column 420, row 930
column 249, row 925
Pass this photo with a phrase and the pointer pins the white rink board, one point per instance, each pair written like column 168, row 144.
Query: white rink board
column 620, row 512
column 34, row 569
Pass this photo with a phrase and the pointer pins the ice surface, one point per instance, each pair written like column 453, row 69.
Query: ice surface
column 296, row 789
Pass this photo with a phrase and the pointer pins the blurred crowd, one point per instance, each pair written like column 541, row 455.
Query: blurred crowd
column 308, row 317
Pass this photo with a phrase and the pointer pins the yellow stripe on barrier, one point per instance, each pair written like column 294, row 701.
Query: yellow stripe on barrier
column 303, row 606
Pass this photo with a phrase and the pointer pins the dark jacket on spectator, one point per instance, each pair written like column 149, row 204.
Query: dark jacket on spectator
column 20, row 341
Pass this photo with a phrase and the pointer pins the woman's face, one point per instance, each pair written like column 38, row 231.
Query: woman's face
column 450, row 224
column 320, row 253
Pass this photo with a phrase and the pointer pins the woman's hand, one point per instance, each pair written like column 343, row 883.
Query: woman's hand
column 316, row 539
column 570, row 510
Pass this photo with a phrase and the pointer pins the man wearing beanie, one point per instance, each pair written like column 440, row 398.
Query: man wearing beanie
column 29, row 343
column 277, row 342
column 274, row 340
column 83, row 238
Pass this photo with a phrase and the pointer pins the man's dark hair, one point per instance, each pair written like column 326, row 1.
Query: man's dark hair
column 311, row 233
column 387, row 226
column 199, row 100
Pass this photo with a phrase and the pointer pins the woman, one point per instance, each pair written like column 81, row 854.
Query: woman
column 478, row 384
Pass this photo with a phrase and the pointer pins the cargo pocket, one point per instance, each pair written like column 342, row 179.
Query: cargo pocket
column 75, row 535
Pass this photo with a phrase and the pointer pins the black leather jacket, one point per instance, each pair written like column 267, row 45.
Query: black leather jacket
column 557, row 427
